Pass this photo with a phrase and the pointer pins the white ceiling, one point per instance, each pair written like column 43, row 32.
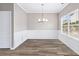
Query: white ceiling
column 47, row 8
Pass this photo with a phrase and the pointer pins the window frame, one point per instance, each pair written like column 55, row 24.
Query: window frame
column 69, row 25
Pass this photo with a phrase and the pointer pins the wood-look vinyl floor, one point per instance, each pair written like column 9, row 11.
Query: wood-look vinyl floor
column 40, row 47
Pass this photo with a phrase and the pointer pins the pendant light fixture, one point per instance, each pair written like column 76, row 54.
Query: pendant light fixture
column 42, row 19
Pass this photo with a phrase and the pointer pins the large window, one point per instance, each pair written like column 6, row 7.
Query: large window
column 70, row 24
column 65, row 24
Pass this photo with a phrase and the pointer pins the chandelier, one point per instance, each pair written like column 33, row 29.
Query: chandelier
column 42, row 19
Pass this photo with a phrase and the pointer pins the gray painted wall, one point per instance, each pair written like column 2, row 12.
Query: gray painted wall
column 6, row 6
column 20, row 19
column 33, row 24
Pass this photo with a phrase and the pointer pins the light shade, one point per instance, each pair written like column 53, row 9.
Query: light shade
column 42, row 20
column 39, row 20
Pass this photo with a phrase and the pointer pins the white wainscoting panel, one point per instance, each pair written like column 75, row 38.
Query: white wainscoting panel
column 42, row 34
column 72, row 43
column 19, row 38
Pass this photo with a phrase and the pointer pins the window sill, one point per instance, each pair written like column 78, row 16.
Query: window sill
column 70, row 36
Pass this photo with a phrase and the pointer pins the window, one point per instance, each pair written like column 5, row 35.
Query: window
column 70, row 24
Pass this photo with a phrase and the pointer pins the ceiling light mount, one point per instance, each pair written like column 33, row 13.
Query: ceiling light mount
column 62, row 3
column 42, row 4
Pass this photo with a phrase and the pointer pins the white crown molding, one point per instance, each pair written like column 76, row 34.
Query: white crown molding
column 65, row 6
column 39, row 12
column 21, row 7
